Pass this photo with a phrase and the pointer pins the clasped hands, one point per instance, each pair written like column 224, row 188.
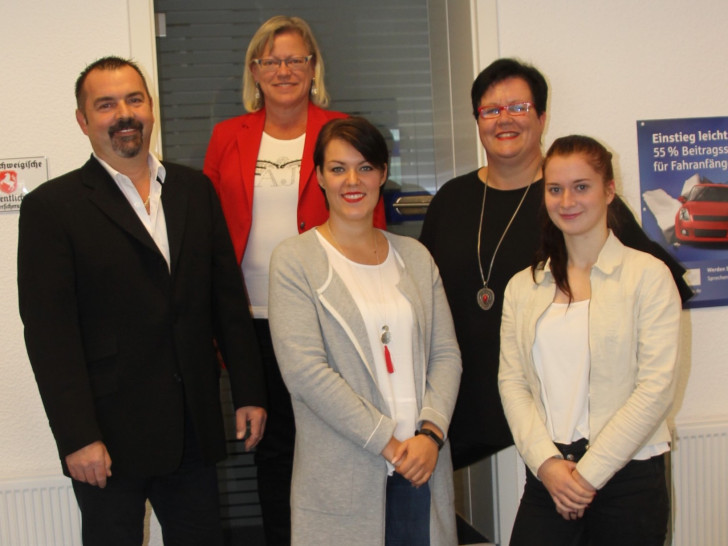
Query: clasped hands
column 414, row 458
column 571, row 493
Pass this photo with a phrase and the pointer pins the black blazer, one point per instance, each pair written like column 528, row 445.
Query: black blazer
column 118, row 344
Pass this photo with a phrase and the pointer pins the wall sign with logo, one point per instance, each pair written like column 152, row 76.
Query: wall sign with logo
column 17, row 177
column 684, row 189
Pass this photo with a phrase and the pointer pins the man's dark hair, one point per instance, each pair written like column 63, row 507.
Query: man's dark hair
column 105, row 63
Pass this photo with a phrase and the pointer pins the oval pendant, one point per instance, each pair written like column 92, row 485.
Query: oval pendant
column 385, row 337
column 486, row 298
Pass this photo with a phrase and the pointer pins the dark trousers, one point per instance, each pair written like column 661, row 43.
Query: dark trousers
column 185, row 503
column 632, row 509
column 407, row 514
column 274, row 454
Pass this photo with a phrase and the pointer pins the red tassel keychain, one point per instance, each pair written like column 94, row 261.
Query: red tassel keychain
column 388, row 358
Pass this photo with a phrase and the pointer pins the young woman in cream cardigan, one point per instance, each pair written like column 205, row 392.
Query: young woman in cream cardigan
column 588, row 349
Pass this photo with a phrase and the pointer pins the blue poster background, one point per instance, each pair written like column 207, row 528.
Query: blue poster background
column 674, row 155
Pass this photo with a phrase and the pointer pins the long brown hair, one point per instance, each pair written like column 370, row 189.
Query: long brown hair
column 552, row 246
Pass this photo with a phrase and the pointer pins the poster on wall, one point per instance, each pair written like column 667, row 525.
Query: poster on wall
column 684, row 193
column 17, row 177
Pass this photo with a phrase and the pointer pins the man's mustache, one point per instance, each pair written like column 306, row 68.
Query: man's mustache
column 126, row 123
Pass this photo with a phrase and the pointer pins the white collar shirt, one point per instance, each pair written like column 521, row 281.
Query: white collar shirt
column 153, row 220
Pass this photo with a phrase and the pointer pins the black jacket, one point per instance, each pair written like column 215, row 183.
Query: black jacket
column 121, row 347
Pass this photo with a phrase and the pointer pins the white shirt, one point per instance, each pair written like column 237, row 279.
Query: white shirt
column 153, row 220
column 374, row 290
column 275, row 209
column 561, row 358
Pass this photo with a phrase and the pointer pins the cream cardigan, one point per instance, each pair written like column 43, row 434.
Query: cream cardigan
column 634, row 318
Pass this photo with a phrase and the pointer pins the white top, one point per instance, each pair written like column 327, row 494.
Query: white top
column 275, row 209
column 153, row 220
column 374, row 290
column 561, row 357
column 562, row 361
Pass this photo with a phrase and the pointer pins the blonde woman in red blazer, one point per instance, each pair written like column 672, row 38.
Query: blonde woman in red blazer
column 253, row 161
column 230, row 164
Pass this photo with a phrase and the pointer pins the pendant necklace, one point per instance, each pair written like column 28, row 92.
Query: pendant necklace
column 149, row 195
column 486, row 296
column 385, row 336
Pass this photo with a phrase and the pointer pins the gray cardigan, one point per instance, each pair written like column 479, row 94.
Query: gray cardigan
column 342, row 421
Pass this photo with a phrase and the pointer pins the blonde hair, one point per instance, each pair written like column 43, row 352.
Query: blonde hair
column 262, row 39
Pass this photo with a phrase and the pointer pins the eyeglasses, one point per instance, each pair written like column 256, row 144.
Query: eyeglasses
column 293, row 63
column 517, row 109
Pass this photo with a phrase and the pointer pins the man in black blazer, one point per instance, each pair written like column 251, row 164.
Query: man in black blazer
column 127, row 278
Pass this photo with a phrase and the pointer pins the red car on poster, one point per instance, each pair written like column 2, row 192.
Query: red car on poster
column 703, row 215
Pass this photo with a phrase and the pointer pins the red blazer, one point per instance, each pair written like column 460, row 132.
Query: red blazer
column 230, row 164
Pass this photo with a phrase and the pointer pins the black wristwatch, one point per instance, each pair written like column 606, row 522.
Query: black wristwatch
column 431, row 434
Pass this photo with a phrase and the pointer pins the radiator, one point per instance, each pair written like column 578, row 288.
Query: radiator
column 700, row 483
column 39, row 512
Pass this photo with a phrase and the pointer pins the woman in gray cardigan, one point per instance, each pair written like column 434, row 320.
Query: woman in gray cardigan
column 364, row 338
